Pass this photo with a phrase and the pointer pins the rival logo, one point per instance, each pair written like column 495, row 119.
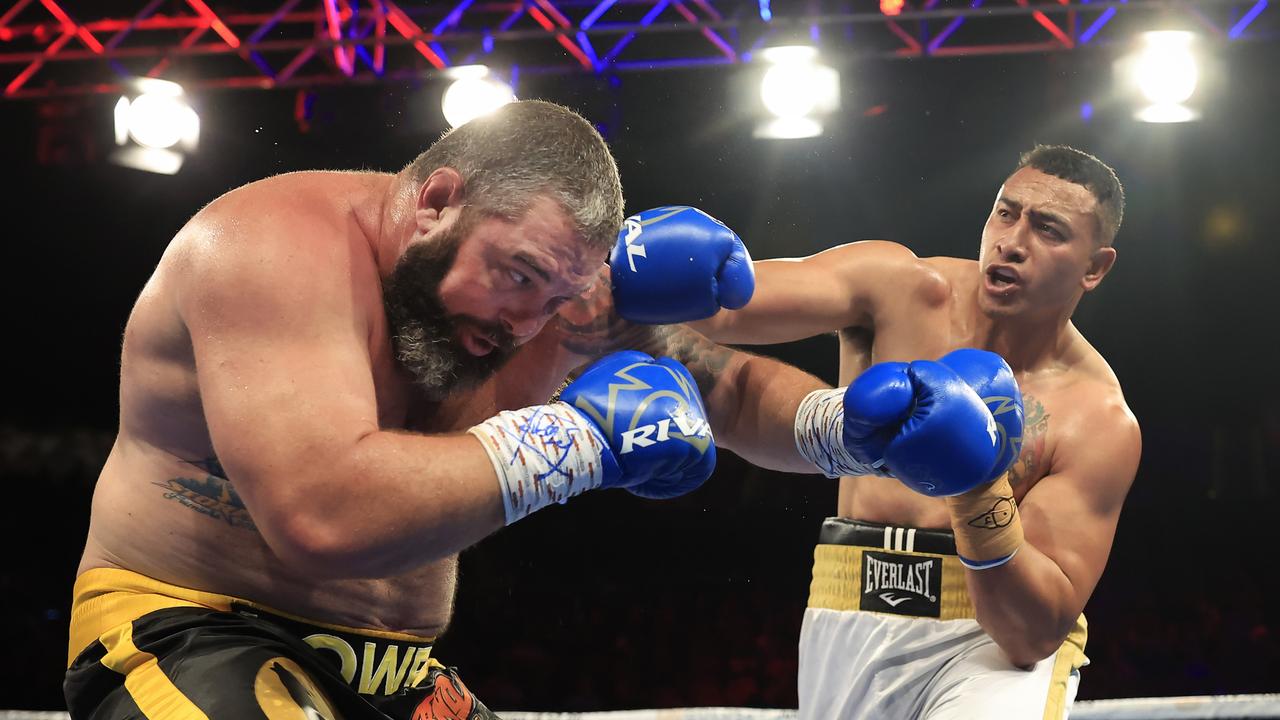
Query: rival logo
column 677, row 390
column 643, row 436
column 633, row 228
column 1008, row 446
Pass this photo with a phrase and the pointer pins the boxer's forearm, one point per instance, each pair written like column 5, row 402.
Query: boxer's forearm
column 751, row 400
column 1027, row 605
column 393, row 502
column 760, row 425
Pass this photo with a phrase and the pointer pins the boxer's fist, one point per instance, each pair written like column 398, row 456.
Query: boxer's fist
column 992, row 378
column 930, row 429
column 675, row 264
column 652, row 418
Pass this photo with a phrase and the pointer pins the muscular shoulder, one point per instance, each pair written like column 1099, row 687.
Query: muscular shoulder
column 1097, row 427
column 291, row 210
column 290, row 238
column 294, row 227
column 891, row 270
column 952, row 273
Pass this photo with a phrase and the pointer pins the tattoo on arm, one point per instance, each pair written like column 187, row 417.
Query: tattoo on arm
column 212, row 495
column 590, row 326
column 603, row 335
column 705, row 359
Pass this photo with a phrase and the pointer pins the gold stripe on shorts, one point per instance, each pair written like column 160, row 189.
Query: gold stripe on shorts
column 1070, row 656
column 837, row 576
column 152, row 691
column 105, row 598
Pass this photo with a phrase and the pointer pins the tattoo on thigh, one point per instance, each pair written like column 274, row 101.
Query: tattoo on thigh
column 212, row 495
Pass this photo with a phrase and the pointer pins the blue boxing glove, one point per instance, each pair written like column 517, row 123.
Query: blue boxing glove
column 985, row 520
column 628, row 421
column 676, row 263
column 930, row 429
column 653, row 419
column 992, row 378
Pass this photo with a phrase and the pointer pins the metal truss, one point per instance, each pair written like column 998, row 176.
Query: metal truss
column 77, row 47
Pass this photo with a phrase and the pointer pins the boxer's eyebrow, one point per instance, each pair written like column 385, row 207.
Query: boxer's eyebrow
column 1038, row 214
column 546, row 276
column 1049, row 217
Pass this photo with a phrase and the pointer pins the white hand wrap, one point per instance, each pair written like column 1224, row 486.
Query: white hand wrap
column 543, row 454
column 820, row 435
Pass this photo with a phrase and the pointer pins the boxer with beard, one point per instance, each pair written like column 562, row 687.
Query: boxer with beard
column 334, row 382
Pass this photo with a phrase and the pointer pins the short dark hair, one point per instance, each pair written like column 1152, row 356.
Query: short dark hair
column 1087, row 171
column 530, row 149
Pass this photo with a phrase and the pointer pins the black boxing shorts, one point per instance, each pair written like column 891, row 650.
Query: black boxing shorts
column 140, row 648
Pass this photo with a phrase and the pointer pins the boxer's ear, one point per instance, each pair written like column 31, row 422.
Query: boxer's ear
column 1100, row 263
column 442, row 189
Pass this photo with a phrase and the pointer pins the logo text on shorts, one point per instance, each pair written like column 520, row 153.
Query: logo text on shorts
column 901, row 584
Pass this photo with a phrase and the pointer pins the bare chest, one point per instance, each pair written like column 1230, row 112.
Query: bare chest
column 934, row 334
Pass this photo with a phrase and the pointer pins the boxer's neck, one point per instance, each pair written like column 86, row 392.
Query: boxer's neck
column 1027, row 342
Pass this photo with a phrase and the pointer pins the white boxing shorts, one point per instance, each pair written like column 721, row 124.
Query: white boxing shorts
column 890, row 634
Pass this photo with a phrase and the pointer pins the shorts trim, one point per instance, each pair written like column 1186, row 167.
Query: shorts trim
column 151, row 690
column 105, row 598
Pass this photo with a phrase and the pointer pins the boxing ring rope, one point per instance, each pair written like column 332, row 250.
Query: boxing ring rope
column 1243, row 707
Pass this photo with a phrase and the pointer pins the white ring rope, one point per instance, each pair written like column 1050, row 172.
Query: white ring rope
column 1243, row 707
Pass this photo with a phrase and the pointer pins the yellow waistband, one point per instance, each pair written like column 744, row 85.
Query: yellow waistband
column 837, row 580
column 837, row 585
column 105, row 598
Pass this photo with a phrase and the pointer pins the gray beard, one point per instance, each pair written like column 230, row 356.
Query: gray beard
column 423, row 334
column 430, row 360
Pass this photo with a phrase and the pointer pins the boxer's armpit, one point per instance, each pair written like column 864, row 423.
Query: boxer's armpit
column 211, row 495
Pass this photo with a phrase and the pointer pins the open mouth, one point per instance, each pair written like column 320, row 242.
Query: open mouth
column 1001, row 278
column 477, row 343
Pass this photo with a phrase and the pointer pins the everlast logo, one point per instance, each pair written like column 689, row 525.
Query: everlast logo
column 901, row 584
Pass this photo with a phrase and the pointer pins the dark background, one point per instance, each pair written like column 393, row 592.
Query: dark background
column 614, row 602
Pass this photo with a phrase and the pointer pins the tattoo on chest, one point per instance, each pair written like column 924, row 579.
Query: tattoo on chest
column 1035, row 427
column 213, row 495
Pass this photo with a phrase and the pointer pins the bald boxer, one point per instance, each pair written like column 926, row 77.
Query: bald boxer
column 943, row 600
column 335, row 381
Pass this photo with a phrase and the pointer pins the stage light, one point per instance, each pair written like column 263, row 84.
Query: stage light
column 1164, row 71
column 798, row 91
column 474, row 92
column 154, row 126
